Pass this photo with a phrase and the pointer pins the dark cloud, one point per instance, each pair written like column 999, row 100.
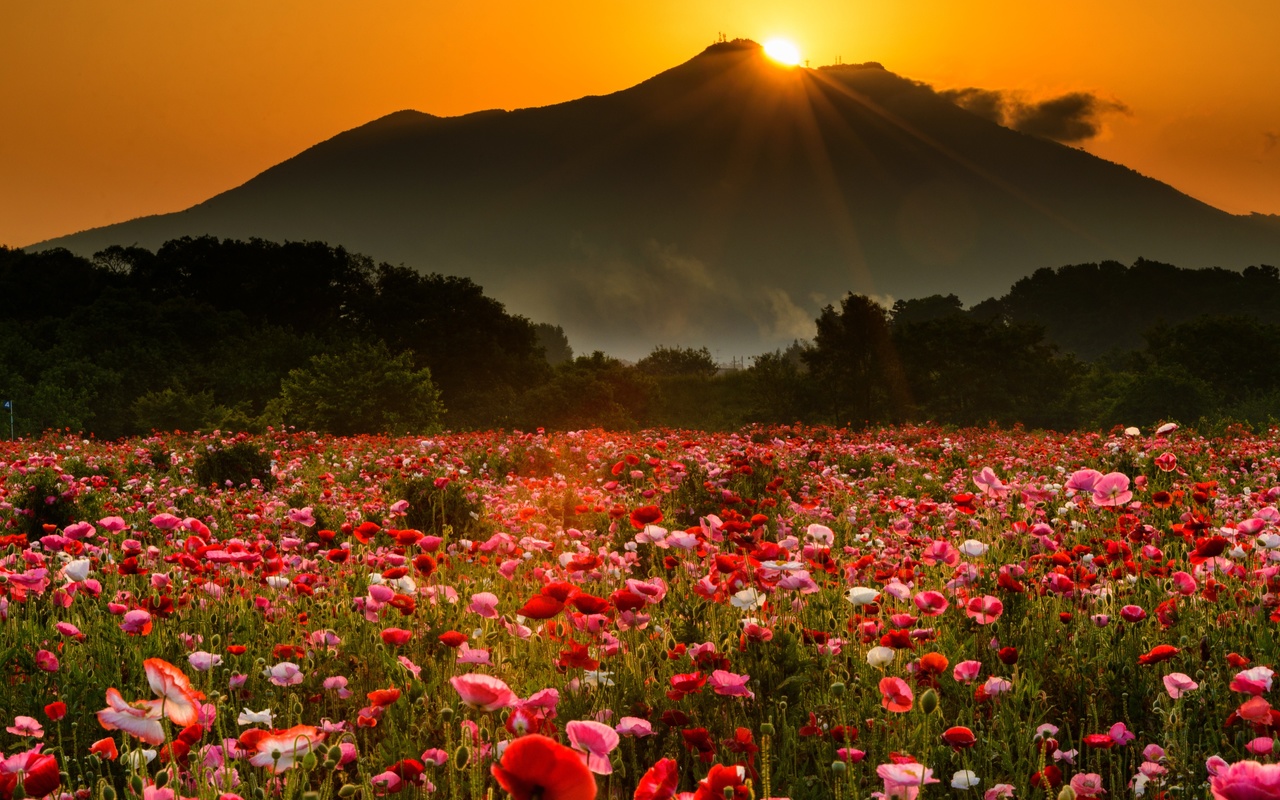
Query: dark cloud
column 1070, row 118
column 1271, row 140
column 986, row 103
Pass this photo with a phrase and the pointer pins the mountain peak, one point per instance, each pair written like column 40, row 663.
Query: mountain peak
column 723, row 201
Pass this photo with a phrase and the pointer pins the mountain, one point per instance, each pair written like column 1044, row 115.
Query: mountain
column 722, row 202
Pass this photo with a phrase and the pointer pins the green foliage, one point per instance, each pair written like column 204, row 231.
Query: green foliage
column 43, row 499
column 554, row 344
column 591, row 391
column 362, row 389
column 237, row 464
column 433, row 509
column 174, row 409
column 679, row 361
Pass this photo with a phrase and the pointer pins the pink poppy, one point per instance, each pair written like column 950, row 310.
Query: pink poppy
column 140, row 718
column 302, row 516
column 1178, row 684
column 485, row 604
column 1087, row 784
column 165, row 521
column 596, row 741
column 984, row 610
column 136, row 623
column 180, row 700
column 904, row 780
column 280, row 749
column 1245, row 780
column 634, row 726
column 1254, row 681
column 931, row 603
column 46, row 661
column 730, row 685
column 966, row 671
column 1184, row 584
column 26, row 726
column 484, row 692
column 286, row 673
column 1112, row 490
column 895, row 695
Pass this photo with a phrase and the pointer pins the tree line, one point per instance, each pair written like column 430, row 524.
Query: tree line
column 239, row 335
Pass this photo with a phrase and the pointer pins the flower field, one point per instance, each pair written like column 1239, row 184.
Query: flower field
column 783, row 612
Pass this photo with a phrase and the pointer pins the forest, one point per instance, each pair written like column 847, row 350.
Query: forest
column 208, row 334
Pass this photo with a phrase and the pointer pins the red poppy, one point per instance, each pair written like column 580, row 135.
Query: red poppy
column 589, row 603
column 1100, row 741
column 236, row 649
column 410, row 769
column 577, row 656
column 452, row 638
column 396, row 637
column 723, row 782
column 559, row 590
column 40, row 775
column 55, row 710
column 1049, row 778
column 1008, row 655
column 699, row 740
column 959, row 737
column 1161, row 652
column 541, row 606
column 383, row 697
column 627, row 600
column 105, row 749
column 365, row 531
column 536, row 766
column 646, row 515
column 660, row 782
column 933, row 664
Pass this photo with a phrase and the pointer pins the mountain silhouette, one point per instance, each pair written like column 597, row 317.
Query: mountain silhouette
column 722, row 202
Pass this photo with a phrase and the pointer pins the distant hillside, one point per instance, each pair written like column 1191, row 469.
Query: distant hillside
column 722, row 202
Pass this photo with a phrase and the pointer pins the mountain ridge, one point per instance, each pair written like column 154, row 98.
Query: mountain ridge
column 722, row 201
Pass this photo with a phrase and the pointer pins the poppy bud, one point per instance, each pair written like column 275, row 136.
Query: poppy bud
column 135, row 783
column 259, row 793
column 309, row 761
column 837, row 689
column 766, row 729
column 929, row 701
column 347, row 791
column 838, row 767
column 162, row 779
column 446, row 713
column 108, row 793
column 461, row 756
column 310, row 796
column 19, row 792
column 1067, row 793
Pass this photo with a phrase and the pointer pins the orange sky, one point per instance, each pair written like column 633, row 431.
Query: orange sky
column 115, row 109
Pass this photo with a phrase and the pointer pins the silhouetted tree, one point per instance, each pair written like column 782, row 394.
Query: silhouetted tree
column 852, row 360
column 554, row 344
column 669, row 361
column 364, row 389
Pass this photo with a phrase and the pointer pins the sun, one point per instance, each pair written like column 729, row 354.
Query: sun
column 782, row 51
